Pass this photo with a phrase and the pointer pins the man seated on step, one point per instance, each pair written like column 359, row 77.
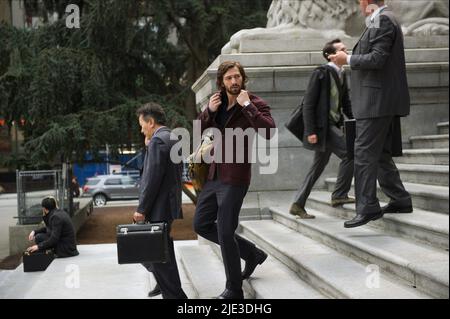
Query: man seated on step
column 58, row 233
column 324, row 105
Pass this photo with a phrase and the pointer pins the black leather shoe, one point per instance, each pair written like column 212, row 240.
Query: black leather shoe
column 361, row 219
column 392, row 209
column 251, row 264
column 155, row 292
column 231, row 294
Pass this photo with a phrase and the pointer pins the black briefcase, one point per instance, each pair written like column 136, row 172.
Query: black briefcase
column 350, row 133
column 138, row 243
column 37, row 261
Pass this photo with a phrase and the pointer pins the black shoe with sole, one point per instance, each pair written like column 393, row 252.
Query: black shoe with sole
column 250, row 265
column 155, row 292
column 361, row 219
column 392, row 209
column 231, row 294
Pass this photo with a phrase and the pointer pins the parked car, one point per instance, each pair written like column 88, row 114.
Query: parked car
column 104, row 188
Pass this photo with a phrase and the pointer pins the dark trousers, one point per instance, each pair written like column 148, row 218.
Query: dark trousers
column 167, row 275
column 373, row 160
column 41, row 237
column 216, row 219
column 335, row 144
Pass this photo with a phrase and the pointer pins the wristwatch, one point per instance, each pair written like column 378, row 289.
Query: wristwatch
column 247, row 103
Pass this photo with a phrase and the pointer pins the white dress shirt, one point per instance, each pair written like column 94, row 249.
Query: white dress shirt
column 337, row 68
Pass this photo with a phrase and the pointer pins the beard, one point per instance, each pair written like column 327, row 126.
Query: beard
column 234, row 90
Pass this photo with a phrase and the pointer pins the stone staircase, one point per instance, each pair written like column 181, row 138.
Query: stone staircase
column 398, row 256
column 428, row 184
column 320, row 258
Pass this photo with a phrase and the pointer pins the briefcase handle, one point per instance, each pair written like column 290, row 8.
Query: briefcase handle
column 27, row 253
column 154, row 228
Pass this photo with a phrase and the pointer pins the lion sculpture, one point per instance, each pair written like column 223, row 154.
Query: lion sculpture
column 293, row 19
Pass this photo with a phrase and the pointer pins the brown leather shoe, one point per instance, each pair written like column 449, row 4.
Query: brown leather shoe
column 299, row 211
column 341, row 201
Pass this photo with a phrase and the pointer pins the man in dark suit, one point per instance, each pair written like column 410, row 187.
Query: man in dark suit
column 160, row 192
column 220, row 201
column 326, row 100
column 380, row 96
column 58, row 233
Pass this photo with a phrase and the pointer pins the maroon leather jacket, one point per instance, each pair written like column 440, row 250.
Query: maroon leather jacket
column 257, row 116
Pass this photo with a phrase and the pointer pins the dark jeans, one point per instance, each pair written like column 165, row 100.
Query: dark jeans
column 216, row 219
column 41, row 237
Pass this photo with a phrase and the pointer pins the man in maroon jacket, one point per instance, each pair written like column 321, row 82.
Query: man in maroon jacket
column 219, row 203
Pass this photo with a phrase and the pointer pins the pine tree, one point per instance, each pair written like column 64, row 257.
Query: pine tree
column 75, row 90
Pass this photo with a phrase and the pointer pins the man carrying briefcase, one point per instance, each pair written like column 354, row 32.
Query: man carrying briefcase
column 160, row 193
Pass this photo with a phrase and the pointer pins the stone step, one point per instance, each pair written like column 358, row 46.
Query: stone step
column 284, row 85
column 332, row 273
column 271, row 275
column 4, row 275
column 315, row 57
column 424, row 156
column 443, row 128
column 428, row 197
column 258, row 44
column 420, row 266
column 273, row 281
column 427, row 227
column 429, row 141
column 207, row 277
column 424, row 174
column 93, row 274
column 17, row 284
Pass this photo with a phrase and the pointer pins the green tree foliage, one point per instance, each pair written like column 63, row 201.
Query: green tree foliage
column 76, row 90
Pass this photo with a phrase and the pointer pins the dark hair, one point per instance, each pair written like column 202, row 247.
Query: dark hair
column 224, row 67
column 153, row 110
column 49, row 203
column 329, row 48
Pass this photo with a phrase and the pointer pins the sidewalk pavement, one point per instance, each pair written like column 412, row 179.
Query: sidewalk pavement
column 94, row 274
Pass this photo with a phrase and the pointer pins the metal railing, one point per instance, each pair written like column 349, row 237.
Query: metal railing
column 32, row 187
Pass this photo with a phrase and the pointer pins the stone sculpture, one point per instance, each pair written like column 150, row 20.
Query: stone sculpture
column 294, row 19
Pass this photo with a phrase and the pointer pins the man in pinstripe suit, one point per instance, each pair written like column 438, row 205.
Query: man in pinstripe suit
column 380, row 96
